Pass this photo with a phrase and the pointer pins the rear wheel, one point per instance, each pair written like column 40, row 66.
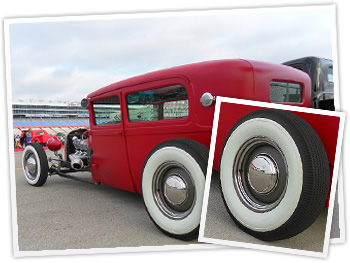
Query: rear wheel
column 274, row 174
column 172, row 185
column 35, row 164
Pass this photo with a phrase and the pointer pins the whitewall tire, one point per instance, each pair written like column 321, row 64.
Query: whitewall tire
column 274, row 174
column 173, row 181
column 35, row 164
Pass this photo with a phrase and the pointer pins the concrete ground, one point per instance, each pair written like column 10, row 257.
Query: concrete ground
column 335, row 230
column 65, row 214
column 219, row 225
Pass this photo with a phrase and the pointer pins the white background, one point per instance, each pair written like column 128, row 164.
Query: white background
column 16, row 8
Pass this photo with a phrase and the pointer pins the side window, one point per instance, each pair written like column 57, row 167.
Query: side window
column 330, row 74
column 165, row 103
column 285, row 92
column 107, row 111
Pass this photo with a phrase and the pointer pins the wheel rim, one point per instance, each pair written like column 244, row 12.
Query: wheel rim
column 30, row 165
column 173, row 190
column 260, row 174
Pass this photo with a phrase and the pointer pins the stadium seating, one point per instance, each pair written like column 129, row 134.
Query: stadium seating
column 52, row 126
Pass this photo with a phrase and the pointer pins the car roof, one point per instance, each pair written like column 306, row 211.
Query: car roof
column 310, row 59
column 178, row 71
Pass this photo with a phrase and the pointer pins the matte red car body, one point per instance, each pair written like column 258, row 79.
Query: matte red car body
column 120, row 150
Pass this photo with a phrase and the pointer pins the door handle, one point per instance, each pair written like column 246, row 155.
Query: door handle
column 118, row 133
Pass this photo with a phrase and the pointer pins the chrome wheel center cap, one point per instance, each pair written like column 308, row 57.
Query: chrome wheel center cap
column 31, row 165
column 175, row 190
column 263, row 174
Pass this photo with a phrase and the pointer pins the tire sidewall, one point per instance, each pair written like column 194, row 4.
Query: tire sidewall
column 273, row 219
column 174, row 226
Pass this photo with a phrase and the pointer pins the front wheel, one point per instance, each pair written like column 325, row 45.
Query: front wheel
column 35, row 164
column 172, row 185
column 274, row 174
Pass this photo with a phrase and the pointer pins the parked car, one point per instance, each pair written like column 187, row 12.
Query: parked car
column 151, row 134
column 321, row 72
column 34, row 136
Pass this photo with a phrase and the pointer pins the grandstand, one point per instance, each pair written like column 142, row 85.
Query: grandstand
column 54, row 117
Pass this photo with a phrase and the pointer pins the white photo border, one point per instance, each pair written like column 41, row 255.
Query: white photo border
column 9, row 21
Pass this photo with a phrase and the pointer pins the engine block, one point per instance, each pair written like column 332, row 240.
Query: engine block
column 80, row 157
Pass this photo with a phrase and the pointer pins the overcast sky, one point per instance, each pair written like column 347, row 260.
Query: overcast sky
column 66, row 60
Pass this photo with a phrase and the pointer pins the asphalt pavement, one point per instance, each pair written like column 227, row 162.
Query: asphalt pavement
column 219, row 225
column 66, row 214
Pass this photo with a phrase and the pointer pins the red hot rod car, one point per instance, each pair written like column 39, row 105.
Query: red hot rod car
column 150, row 134
column 36, row 136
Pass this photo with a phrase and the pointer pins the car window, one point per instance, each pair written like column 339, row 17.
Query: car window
column 285, row 92
column 107, row 111
column 330, row 74
column 166, row 103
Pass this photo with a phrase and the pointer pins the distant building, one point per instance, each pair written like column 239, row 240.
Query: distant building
column 52, row 116
column 47, row 109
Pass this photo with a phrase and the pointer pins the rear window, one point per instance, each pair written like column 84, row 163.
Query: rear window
column 285, row 92
column 166, row 103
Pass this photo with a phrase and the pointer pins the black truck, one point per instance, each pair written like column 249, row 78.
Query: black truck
column 320, row 71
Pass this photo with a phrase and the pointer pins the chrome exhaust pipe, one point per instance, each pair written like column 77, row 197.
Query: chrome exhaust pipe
column 76, row 162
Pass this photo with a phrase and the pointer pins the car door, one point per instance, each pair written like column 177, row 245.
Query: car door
column 109, row 162
column 156, row 111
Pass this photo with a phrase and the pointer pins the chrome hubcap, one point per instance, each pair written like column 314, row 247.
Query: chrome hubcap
column 175, row 190
column 260, row 174
column 263, row 174
column 31, row 165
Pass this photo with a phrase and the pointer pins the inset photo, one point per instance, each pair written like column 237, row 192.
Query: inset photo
column 272, row 174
